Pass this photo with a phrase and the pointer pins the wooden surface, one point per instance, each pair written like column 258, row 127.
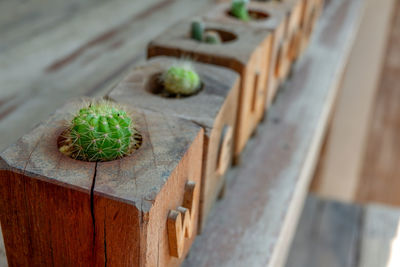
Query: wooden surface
column 254, row 224
column 338, row 174
column 380, row 171
column 338, row 234
column 247, row 55
column 50, row 202
column 213, row 108
column 327, row 235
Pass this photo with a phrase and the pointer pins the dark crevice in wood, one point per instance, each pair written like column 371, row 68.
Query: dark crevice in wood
column 105, row 238
column 92, row 208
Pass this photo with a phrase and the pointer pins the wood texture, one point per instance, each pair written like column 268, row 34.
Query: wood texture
column 89, row 45
column 276, row 23
column 380, row 171
column 254, row 224
column 246, row 55
column 214, row 108
column 116, row 211
column 339, row 167
column 328, row 235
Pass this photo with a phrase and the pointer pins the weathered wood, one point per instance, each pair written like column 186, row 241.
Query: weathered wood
column 214, row 108
column 58, row 211
column 254, row 224
column 92, row 52
column 244, row 51
column 276, row 22
column 328, row 235
column 312, row 11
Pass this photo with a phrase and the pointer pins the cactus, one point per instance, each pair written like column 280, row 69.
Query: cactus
column 181, row 79
column 239, row 10
column 100, row 132
column 212, row 37
column 197, row 30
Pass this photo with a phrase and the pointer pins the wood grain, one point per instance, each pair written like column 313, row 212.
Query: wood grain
column 254, row 224
column 214, row 108
column 380, row 171
column 116, row 211
column 246, row 55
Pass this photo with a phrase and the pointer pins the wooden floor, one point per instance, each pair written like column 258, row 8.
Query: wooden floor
column 380, row 178
column 334, row 234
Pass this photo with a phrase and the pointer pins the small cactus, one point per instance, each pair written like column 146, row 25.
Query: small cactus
column 181, row 79
column 197, row 30
column 212, row 37
column 100, row 132
column 239, row 10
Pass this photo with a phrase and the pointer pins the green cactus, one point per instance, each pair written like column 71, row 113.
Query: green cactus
column 239, row 9
column 101, row 132
column 212, row 37
column 181, row 79
column 197, row 30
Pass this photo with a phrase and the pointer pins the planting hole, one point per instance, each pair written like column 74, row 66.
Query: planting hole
column 254, row 14
column 225, row 36
column 156, row 87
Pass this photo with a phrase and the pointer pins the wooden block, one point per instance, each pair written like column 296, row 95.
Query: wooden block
column 214, row 108
column 272, row 20
column 242, row 51
column 312, row 11
column 58, row 211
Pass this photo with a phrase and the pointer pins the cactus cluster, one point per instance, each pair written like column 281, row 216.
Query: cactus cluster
column 239, row 9
column 181, row 79
column 101, row 131
column 199, row 33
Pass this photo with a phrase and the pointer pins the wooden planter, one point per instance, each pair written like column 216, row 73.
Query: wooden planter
column 271, row 19
column 312, row 11
column 137, row 211
column 243, row 50
column 214, row 108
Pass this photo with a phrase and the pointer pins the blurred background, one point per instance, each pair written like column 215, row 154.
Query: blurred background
column 53, row 50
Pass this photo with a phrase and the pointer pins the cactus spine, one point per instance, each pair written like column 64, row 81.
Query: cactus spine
column 100, row 132
column 239, row 9
column 197, row 30
column 212, row 37
column 181, row 79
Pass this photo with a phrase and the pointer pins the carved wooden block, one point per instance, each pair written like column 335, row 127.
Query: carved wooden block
column 57, row 211
column 312, row 11
column 214, row 108
column 271, row 19
column 243, row 50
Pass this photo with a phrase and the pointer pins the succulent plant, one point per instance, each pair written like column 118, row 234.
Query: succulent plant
column 239, row 9
column 197, row 30
column 212, row 37
column 181, row 79
column 100, row 132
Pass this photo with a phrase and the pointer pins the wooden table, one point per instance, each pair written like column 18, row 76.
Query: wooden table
column 73, row 48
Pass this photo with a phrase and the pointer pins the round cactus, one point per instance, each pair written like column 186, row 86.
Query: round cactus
column 181, row 79
column 212, row 37
column 100, row 132
column 239, row 9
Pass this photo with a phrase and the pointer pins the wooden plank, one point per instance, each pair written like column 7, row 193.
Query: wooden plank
column 327, row 235
column 340, row 166
column 380, row 237
column 254, row 224
column 380, row 171
column 57, row 67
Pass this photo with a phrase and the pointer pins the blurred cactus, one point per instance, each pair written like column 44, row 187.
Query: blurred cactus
column 181, row 79
column 197, row 30
column 239, row 9
column 212, row 37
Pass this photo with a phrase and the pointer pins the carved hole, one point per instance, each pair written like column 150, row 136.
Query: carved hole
column 226, row 36
column 224, row 150
column 255, row 91
column 156, row 87
column 254, row 14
